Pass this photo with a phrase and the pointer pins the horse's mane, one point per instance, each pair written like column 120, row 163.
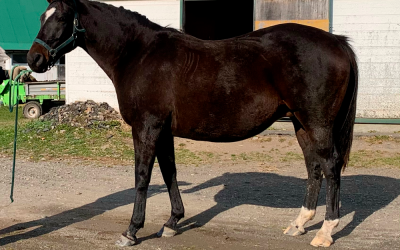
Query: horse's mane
column 125, row 14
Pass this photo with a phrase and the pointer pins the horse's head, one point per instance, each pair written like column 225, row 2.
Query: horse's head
column 57, row 36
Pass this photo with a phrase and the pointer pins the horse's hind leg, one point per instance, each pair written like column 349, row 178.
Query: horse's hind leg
column 320, row 154
column 166, row 159
column 331, row 170
column 314, row 181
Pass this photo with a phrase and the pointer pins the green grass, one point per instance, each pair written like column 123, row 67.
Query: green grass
column 38, row 140
column 370, row 158
column 292, row 156
column 7, row 118
column 378, row 139
column 251, row 156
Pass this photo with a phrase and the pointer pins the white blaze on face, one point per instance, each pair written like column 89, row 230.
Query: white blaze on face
column 49, row 13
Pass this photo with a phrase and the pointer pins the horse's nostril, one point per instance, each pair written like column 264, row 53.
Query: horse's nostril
column 37, row 58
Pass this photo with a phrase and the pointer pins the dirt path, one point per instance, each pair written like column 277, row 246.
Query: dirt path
column 229, row 204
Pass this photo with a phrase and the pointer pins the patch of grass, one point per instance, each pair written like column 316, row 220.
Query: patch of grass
column 378, row 139
column 370, row 158
column 39, row 140
column 251, row 156
column 292, row 156
column 8, row 119
column 372, row 131
column 185, row 156
column 281, row 140
column 266, row 139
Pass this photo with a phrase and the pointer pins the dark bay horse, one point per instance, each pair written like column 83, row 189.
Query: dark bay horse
column 172, row 84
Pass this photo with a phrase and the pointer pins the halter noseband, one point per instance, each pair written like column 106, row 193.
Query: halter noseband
column 53, row 52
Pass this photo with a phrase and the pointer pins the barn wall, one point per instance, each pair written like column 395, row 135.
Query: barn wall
column 374, row 27
column 86, row 80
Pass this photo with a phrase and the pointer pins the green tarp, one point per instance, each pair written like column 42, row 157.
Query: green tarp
column 19, row 22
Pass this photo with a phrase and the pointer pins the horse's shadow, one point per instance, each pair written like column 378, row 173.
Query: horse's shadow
column 66, row 218
column 362, row 194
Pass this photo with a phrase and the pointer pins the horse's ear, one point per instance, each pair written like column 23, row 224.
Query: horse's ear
column 50, row 1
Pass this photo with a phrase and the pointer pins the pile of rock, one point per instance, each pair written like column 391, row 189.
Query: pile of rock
column 82, row 114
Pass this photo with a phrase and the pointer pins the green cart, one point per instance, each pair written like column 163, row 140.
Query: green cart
column 35, row 95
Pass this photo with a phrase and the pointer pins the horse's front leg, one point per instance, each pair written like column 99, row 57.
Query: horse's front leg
column 145, row 147
column 166, row 159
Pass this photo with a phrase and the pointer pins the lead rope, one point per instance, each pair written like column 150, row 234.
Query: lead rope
column 11, row 104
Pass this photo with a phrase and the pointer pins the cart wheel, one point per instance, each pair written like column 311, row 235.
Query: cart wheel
column 32, row 110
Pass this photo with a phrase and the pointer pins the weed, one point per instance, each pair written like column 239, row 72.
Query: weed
column 185, row 156
column 292, row 156
column 370, row 158
column 252, row 156
column 268, row 139
column 378, row 139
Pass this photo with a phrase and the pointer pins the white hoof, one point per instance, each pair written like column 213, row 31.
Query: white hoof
column 294, row 231
column 323, row 237
column 166, row 232
column 124, row 241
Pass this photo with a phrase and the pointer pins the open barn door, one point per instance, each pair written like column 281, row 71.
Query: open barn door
column 313, row 13
column 217, row 19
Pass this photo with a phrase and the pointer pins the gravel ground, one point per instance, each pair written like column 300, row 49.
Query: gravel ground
column 74, row 204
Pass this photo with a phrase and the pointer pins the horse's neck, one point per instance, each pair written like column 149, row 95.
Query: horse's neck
column 112, row 35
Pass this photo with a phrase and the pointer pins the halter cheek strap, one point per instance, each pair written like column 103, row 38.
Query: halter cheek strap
column 53, row 52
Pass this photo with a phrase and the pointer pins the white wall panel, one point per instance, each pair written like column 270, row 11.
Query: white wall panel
column 374, row 28
column 86, row 80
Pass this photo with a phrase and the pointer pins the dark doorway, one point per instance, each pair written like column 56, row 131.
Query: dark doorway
column 218, row 19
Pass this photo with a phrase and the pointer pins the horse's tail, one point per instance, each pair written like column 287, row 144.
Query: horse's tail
column 344, row 122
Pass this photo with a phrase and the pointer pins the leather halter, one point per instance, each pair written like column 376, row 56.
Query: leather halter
column 53, row 52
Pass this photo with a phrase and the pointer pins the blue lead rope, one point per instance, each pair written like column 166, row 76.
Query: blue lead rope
column 11, row 105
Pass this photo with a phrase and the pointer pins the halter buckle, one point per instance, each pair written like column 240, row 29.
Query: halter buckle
column 53, row 53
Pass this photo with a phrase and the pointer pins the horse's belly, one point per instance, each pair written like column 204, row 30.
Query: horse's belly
column 226, row 120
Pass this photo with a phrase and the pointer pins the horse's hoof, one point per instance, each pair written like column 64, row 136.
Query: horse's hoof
column 126, row 241
column 294, row 231
column 322, row 241
column 166, row 232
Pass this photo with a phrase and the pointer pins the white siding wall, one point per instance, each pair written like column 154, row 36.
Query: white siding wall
column 86, row 80
column 374, row 27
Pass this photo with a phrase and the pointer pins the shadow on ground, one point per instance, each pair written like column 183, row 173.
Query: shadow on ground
column 66, row 218
column 362, row 194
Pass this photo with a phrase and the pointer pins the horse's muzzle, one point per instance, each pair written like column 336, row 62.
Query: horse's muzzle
column 38, row 59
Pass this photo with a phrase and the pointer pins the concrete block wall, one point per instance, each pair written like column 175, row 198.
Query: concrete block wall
column 86, row 80
column 374, row 28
